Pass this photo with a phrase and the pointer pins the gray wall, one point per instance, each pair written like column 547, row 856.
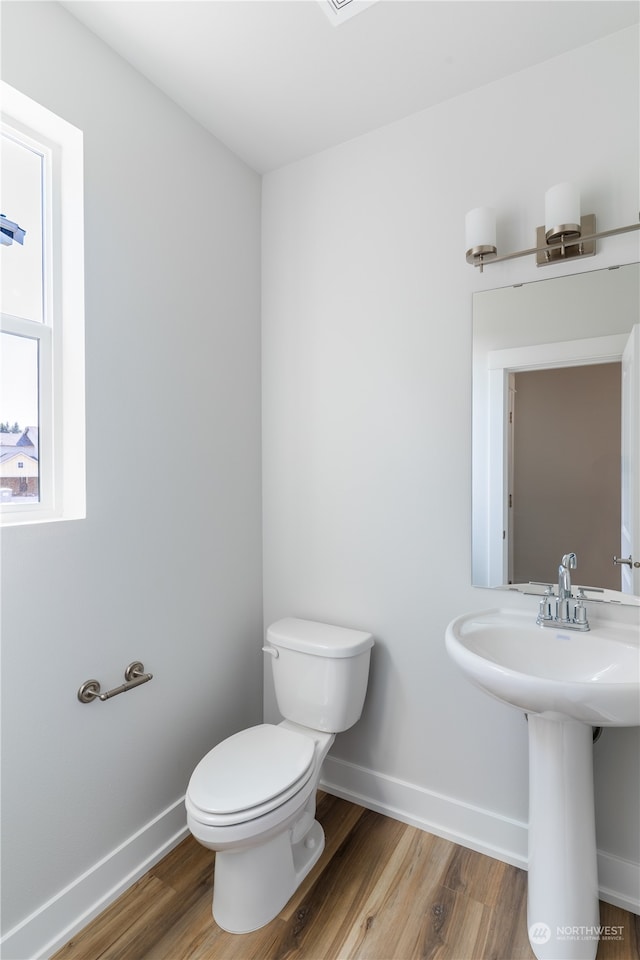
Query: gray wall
column 367, row 303
column 169, row 573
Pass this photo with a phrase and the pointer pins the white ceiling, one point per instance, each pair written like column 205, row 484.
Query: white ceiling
column 275, row 81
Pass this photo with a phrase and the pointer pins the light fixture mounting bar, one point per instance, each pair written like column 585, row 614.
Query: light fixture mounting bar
column 554, row 248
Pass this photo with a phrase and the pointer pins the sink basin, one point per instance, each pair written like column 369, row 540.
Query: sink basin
column 593, row 677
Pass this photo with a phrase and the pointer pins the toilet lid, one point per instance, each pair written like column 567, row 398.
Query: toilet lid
column 250, row 769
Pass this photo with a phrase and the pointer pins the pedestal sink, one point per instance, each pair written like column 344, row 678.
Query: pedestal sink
column 566, row 682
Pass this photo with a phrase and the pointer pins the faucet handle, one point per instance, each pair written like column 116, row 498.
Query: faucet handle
column 545, row 610
column 580, row 613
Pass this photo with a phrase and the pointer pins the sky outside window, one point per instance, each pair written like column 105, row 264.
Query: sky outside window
column 18, row 380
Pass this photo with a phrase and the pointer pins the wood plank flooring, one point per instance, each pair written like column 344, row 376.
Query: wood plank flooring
column 382, row 890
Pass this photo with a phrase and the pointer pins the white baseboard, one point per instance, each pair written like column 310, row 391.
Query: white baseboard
column 54, row 923
column 482, row 830
column 470, row 826
column 619, row 882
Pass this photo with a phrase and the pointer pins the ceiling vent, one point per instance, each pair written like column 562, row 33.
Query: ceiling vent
column 340, row 10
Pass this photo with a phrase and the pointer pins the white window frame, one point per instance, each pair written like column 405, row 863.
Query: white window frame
column 62, row 467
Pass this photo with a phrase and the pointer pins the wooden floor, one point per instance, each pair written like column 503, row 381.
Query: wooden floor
column 382, row 890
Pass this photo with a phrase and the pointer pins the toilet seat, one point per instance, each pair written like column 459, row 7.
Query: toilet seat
column 250, row 774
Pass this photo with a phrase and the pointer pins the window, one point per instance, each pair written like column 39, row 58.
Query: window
column 42, row 431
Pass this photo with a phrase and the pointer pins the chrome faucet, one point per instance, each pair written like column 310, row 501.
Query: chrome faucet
column 569, row 613
column 568, row 562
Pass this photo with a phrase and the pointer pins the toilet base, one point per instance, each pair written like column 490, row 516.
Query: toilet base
column 251, row 886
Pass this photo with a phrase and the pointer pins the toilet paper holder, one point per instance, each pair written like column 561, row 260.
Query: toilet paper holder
column 134, row 676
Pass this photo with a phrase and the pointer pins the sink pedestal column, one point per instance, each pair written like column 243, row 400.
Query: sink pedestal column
column 563, row 909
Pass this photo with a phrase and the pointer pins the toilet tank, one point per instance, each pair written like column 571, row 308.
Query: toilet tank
column 320, row 672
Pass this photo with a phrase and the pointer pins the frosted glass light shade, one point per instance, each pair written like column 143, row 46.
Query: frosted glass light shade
column 562, row 211
column 480, row 228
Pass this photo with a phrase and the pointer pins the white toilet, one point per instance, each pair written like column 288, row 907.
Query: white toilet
column 252, row 798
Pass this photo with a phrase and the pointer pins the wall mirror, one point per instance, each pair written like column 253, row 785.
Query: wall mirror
column 556, row 433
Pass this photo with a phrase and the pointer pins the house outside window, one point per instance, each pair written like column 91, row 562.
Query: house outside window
column 42, row 428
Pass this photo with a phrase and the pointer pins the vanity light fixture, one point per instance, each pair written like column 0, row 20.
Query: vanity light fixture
column 565, row 235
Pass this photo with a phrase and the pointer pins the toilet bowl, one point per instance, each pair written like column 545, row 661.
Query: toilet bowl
column 252, row 798
column 267, row 845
